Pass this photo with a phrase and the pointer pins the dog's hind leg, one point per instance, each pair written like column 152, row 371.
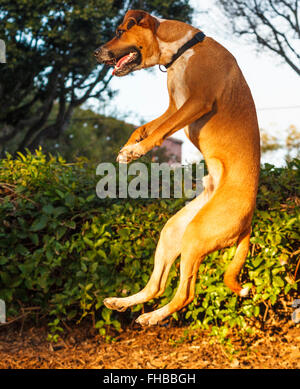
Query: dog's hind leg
column 206, row 233
column 235, row 266
column 168, row 249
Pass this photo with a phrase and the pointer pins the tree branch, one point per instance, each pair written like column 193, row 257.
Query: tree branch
column 45, row 111
column 99, row 78
column 267, row 14
column 287, row 17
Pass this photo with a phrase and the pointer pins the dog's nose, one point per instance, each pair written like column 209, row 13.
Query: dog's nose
column 97, row 51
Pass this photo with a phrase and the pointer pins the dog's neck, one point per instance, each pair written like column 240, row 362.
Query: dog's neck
column 169, row 43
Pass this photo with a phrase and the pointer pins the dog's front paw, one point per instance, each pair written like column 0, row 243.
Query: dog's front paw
column 118, row 304
column 130, row 153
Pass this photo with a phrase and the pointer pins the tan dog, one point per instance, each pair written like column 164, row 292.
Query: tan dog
column 210, row 98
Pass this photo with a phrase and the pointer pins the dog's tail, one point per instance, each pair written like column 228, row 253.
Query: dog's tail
column 235, row 266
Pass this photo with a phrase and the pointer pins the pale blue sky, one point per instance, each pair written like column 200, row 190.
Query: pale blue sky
column 143, row 95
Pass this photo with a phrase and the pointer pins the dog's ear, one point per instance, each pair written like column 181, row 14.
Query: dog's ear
column 130, row 23
column 140, row 18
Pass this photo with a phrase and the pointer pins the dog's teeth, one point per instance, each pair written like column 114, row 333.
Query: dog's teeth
column 123, row 62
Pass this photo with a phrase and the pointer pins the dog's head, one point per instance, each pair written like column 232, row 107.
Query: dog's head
column 133, row 47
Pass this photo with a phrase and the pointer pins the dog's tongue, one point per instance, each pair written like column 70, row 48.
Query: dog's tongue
column 121, row 61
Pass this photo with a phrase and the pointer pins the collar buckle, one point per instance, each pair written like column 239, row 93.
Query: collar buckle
column 162, row 70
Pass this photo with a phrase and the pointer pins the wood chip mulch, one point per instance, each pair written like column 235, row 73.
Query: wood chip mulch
column 150, row 348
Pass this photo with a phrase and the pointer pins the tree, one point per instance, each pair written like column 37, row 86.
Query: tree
column 50, row 63
column 274, row 24
column 291, row 143
column 90, row 135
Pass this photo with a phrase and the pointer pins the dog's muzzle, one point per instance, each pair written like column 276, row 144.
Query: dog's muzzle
column 103, row 55
column 97, row 52
column 124, row 61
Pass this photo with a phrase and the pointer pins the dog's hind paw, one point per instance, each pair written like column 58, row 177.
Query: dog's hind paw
column 147, row 320
column 153, row 318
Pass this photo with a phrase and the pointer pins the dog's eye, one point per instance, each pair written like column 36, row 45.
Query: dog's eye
column 119, row 33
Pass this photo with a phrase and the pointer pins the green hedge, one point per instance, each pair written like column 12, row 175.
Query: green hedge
column 63, row 250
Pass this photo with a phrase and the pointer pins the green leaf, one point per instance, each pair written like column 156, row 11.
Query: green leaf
column 116, row 324
column 3, row 260
column 60, row 232
column 106, row 313
column 70, row 200
column 39, row 223
column 48, row 209
column 59, row 211
column 256, row 310
column 70, row 224
column 34, row 238
column 99, row 324
column 60, row 193
column 278, row 281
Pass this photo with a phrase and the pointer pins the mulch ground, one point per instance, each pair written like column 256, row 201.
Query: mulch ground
column 149, row 348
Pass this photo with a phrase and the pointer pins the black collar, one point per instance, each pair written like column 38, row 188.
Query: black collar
column 199, row 37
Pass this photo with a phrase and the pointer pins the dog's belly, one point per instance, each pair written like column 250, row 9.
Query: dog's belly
column 193, row 130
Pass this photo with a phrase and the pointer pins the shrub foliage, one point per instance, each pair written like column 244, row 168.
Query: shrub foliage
column 63, row 250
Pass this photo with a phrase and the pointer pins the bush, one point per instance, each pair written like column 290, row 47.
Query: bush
column 63, row 250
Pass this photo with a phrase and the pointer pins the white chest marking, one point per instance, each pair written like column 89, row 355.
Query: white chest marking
column 176, row 79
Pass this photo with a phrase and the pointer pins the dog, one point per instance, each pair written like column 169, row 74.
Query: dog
column 210, row 99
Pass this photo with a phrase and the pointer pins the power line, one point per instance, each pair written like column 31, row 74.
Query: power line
column 275, row 108
column 258, row 109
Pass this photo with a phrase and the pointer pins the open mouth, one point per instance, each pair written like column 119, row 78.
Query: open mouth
column 126, row 62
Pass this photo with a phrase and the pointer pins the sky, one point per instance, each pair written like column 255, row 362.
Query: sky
column 143, row 95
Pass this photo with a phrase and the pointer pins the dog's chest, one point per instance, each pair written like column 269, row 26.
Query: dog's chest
column 176, row 79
